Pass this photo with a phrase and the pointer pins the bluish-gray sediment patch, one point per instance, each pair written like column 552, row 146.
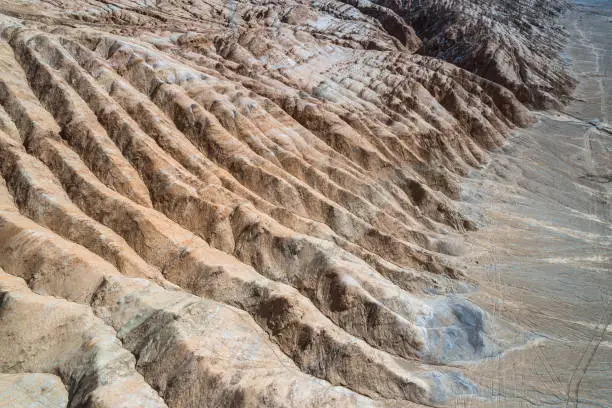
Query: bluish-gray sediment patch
column 458, row 330
column 448, row 385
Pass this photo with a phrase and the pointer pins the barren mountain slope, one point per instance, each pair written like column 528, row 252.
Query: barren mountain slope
column 222, row 203
column 515, row 43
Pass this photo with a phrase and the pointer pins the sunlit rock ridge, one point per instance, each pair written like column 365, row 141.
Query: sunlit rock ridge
column 251, row 203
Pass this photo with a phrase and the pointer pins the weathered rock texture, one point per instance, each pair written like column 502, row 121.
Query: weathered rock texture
column 32, row 390
column 515, row 43
column 237, row 203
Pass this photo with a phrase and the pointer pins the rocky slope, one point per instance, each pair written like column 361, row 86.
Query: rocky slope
column 513, row 43
column 238, row 204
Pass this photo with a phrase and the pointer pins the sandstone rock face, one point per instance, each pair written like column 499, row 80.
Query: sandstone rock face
column 221, row 203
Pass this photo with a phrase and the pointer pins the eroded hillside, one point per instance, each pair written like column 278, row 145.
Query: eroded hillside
column 238, row 203
column 513, row 43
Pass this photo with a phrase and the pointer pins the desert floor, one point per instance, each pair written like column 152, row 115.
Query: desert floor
column 544, row 259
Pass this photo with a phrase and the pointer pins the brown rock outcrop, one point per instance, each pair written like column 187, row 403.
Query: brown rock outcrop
column 513, row 43
column 237, row 203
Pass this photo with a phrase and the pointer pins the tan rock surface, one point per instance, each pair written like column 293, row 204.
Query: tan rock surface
column 222, row 203
column 32, row 390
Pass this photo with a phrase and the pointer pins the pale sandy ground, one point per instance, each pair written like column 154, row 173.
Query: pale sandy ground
column 546, row 265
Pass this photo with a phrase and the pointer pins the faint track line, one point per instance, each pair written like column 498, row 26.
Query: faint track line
column 549, row 370
column 587, row 355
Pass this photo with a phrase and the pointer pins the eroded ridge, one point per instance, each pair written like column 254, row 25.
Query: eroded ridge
column 514, row 43
column 238, row 204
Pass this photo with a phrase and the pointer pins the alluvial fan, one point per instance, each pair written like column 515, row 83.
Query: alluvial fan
column 238, row 203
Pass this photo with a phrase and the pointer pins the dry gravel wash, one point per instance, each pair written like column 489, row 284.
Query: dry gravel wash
column 547, row 259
